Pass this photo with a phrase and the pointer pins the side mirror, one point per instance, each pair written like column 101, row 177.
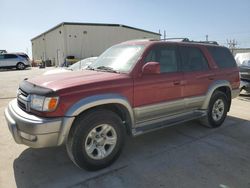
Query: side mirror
column 151, row 68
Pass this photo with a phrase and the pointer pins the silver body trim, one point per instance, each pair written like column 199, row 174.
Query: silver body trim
column 235, row 93
column 93, row 101
column 97, row 100
column 46, row 130
column 216, row 84
column 167, row 109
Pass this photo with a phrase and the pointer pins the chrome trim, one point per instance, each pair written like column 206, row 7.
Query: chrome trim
column 24, row 98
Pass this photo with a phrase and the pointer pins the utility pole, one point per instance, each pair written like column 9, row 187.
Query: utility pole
column 165, row 35
column 232, row 44
column 206, row 37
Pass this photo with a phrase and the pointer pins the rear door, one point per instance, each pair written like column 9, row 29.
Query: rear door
column 10, row 60
column 159, row 95
column 227, row 67
column 197, row 76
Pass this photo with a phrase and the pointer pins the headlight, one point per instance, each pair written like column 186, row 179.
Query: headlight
column 42, row 103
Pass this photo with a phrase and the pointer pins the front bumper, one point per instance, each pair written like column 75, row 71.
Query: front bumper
column 35, row 131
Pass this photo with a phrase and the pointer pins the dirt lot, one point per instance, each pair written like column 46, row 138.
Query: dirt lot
column 186, row 155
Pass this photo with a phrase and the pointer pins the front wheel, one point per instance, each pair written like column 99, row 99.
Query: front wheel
column 217, row 110
column 96, row 139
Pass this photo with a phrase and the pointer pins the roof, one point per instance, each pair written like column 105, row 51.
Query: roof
column 94, row 24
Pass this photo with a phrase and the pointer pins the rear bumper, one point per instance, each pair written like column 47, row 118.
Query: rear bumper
column 35, row 131
column 245, row 84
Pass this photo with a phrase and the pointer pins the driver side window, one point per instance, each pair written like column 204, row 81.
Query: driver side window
column 167, row 58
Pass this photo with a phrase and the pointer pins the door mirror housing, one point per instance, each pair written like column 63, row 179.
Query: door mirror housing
column 151, row 68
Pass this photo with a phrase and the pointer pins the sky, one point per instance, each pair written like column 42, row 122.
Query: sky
column 221, row 20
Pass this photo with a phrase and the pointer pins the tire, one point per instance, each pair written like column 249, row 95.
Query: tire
column 83, row 146
column 217, row 110
column 20, row 66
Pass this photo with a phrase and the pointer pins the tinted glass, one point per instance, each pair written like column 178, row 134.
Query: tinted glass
column 1, row 57
column 9, row 56
column 193, row 59
column 166, row 56
column 24, row 56
column 222, row 57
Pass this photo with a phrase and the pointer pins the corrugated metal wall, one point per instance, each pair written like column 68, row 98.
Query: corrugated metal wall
column 82, row 41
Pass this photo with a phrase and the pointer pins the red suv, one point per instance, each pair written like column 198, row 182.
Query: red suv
column 132, row 88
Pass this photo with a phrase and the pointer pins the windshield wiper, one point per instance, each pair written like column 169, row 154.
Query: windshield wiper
column 89, row 68
column 108, row 69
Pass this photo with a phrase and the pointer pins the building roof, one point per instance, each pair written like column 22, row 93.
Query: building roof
column 94, row 24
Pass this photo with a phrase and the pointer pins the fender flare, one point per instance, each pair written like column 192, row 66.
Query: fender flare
column 215, row 85
column 90, row 102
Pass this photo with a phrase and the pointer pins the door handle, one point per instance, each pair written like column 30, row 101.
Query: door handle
column 208, row 76
column 177, row 82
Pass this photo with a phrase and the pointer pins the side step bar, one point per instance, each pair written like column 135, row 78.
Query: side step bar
column 154, row 125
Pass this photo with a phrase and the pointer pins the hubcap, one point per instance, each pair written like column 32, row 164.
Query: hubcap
column 20, row 66
column 218, row 109
column 100, row 141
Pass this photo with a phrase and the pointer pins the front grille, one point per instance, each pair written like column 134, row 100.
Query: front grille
column 21, row 105
column 23, row 100
column 23, row 92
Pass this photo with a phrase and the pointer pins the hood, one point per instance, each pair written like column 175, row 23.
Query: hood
column 56, row 71
column 64, row 80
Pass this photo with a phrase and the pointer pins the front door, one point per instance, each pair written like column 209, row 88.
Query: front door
column 159, row 95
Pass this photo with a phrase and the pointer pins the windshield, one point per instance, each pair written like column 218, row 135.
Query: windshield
column 119, row 58
column 82, row 64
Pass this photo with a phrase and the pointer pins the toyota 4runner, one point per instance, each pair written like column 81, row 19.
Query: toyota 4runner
column 132, row 88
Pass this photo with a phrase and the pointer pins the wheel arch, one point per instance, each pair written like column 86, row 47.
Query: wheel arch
column 219, row 85
column 113, row 102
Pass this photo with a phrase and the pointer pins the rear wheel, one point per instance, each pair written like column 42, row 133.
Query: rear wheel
column 20, row 66
column 217, row 110
column 96, row 139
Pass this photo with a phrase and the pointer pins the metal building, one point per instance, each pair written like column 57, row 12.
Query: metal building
column 82, row 40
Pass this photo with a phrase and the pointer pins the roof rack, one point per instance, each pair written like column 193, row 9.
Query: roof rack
column 177, row 39
column 187, row 40
column 206, row 42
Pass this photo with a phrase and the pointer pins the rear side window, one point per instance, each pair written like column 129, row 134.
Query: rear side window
column 24, row 56
column 9, row 56
column 193, row 59
column 222, row 57
column 1, row 57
